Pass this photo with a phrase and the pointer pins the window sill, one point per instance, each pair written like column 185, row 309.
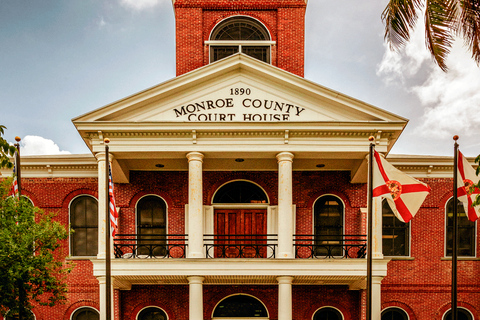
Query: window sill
column 461, row 259
column 80, row 258
column 399, row 258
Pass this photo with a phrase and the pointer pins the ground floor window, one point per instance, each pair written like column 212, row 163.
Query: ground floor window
column 240, row 306
column 328, row 313
column 152, row 313
column 86, row 314
column 14, row 316
column 463, row 314
column 394, row 314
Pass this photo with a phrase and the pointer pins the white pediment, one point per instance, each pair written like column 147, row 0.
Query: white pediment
column 239, row 89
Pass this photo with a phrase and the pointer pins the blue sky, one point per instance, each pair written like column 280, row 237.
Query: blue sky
column 60, row 59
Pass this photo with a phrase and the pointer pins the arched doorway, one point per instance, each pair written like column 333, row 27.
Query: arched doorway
column 240, row 306
column 240, row 221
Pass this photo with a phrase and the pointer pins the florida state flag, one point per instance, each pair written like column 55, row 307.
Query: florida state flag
column 404, row 194
column 466, row 190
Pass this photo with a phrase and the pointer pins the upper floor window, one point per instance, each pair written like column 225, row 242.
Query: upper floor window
column 151, row 226
column 84, row 225
column 240, row 34
column 240, row 192
column 466, row 231
column 240, row 306
column 395, row 233
column 328, row 225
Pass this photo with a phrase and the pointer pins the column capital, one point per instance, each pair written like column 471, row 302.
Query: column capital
column 100, row 156
column 285, row 156
column 285, row 280
column 195, row 280
column 195, row 156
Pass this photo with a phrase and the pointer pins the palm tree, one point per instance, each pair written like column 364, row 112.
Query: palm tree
column 444, row 19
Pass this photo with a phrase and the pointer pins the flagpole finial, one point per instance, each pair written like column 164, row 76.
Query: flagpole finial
column 17, row 138
column 371, row 138
column 106, row 140
column 455, row 137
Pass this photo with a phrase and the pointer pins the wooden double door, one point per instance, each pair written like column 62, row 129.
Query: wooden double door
column 241, row 233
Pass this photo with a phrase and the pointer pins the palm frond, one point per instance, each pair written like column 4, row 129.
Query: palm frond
column 400, row 16
column 469, row 26
column 439, row 23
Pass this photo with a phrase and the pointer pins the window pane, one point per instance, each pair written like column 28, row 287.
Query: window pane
column 395, row 233
column 394, row 314
column 461, row 315
column 152, row 313
column 86, row 314
column 240, row 28
column 328, row 216
column 240, row 306
column 220, row 52
column 466, row 231
column 259, row 52
column 240, row 192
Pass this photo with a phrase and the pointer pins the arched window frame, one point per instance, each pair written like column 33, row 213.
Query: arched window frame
column 147, row 307
column 161, row 243
column 396, row 308
column 328, row 307
column 239, row 43
column 314, row 217
column 166, row 210
column 474, row 240
column 408, row 235
column 81, row 309
column 31, row 312
column 241, row 294
column 70, row 245
column 444, row 317
column 240, row 204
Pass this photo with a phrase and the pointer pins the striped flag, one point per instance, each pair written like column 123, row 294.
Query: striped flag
column 466, row 190
column 14, row 189
column 113, row 208
column 404, row 194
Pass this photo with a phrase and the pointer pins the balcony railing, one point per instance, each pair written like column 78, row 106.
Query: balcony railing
column 128, row 246
column 150, row 246
column 336, row 247
column 240, row 246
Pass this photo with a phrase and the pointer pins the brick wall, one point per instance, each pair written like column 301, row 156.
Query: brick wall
column 420, row 285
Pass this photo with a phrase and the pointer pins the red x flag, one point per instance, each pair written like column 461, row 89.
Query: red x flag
column 466, row 191
column 404, row 194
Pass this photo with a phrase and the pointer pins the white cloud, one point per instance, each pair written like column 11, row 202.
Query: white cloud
column 450, row 100
column 140, row 4
column 35, row 145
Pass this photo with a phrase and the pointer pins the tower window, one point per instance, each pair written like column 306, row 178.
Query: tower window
column 240, row 34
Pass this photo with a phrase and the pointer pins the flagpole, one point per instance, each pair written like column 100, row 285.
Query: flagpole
column 108, row 271
column 17, row 169
column 455, row 230
column 370, row 229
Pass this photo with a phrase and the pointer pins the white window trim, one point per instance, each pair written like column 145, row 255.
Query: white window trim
column 83, row 307
column 313, row 315
column 395, row 307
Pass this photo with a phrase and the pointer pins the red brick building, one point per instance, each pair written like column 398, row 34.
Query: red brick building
column 241, row 191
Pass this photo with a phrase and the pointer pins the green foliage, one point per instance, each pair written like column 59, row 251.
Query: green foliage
column 6, row 150
column 29, row 255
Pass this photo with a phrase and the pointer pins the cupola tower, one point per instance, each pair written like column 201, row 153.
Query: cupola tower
column 269, row 30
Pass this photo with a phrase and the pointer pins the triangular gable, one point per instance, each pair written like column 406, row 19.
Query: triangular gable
column 239, row 89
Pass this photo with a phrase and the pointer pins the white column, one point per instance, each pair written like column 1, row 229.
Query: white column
column 195, row 301
column 376, row 298
column 102, row 198
column 377, row 229
column 195, row 205
column 285, row 298
column 285, row 208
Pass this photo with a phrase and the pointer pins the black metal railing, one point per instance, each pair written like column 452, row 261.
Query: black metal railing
column 129, row 246
column 336, row 247
column 240, row 246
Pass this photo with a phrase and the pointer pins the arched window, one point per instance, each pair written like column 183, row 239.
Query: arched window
column 328, row 313
column 240, row 306
column 151, row 226
column 84, row 225
column 466, row 231
column 152, row 313
column 240, row 34
column 85, row 314
column 462, row 314
column 328, row 224
column 395, row 233
column 14, row 316
column 240, row 192
column 394, row 314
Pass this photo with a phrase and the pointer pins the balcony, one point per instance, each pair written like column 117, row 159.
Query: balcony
column 131, row 246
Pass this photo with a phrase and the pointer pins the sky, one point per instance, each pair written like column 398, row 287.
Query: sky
column 61, row 59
